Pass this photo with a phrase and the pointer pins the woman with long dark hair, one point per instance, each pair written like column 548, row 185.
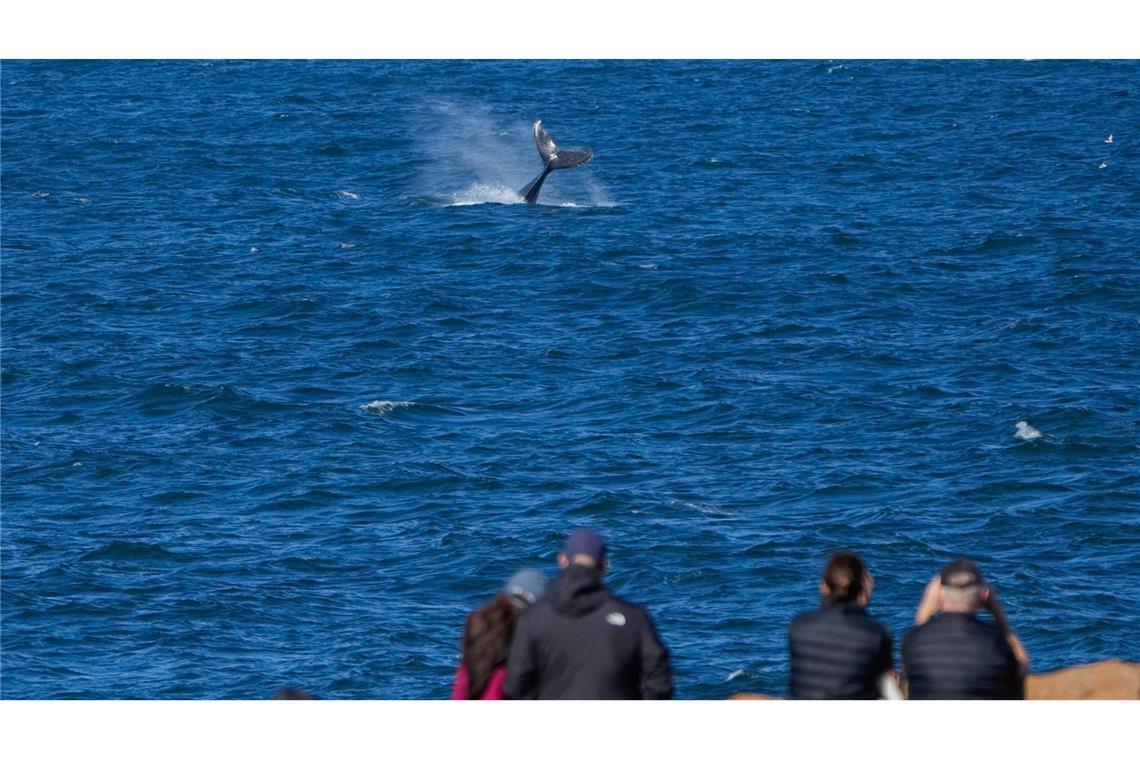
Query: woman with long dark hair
column 488, row 633
column 839, row 651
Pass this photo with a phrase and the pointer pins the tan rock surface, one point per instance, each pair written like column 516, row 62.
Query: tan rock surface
column 1111, row 679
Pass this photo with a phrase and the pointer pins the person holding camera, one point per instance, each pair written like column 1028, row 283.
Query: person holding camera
column 951, row 654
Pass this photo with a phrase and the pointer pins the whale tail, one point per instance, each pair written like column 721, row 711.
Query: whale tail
column 552, row 158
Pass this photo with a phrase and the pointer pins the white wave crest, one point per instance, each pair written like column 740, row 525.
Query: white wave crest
column 382, row 408
column 348, row 195
column 481, row 193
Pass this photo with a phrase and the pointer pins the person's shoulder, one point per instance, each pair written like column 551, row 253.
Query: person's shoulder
column 983, row 628
column 872, row 623
column 808, row 617
column 916, row 633
column 625, row 606
column 534, row 612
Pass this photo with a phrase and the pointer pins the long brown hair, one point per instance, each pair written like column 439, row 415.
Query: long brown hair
column 844, row 577
column 486, row 640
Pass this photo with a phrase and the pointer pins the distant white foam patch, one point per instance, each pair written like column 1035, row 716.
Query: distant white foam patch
column 1027, row 432
column 348, row 195
column 383, row 408
column 734, row 674
column 703, row 508
column 480, row 193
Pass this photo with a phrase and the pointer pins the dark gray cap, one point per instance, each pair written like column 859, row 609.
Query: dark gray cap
column 961, row 573
column 527, row 584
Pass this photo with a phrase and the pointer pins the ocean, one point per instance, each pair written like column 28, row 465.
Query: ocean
column 292, row 381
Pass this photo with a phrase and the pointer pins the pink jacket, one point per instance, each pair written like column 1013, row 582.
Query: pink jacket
column 494, row 688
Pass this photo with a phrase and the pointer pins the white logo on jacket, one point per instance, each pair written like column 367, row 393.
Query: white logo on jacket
column 615, row 618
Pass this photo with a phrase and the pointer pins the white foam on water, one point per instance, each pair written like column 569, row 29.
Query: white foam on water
column 481, row 193
column 347, row 194
column 703, row 508
column 734, row 674
column 1027, row 432
column 383, row 408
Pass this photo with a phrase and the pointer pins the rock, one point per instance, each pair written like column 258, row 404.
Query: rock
column 1111, row 679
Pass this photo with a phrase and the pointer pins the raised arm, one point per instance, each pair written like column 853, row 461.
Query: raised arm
column 991, row 603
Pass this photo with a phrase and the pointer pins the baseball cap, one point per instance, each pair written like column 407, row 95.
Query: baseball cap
column 961, row 573
column 528, row 584
column 585, row 541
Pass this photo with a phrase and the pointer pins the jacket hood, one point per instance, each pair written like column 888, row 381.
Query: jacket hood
column 578, row 591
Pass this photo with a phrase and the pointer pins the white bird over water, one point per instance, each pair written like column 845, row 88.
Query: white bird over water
column 1027, row 432
column 1108, row 139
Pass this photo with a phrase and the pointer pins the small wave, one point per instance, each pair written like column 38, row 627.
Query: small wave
column 734, row 674
column 480, row 193
column 125, row 550
column 384, row 408
column 347, row 195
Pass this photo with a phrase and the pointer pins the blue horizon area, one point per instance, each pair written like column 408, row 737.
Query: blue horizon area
column 291, row 380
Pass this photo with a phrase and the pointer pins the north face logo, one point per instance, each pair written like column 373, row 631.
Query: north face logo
column 615, row 618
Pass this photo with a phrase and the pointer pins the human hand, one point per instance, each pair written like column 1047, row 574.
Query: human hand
column 931, row 601
column 868, row 588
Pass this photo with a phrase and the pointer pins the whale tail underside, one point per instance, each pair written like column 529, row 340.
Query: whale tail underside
column 552, row 158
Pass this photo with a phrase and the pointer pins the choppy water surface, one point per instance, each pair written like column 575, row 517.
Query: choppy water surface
column 291, row 381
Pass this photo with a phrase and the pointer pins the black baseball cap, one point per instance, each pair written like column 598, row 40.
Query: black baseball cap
column 961, row 573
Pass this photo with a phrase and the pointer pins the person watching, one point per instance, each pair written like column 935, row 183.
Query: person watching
column 951, row 654
column 839, row 651
column 582, row 642
column 487, row 636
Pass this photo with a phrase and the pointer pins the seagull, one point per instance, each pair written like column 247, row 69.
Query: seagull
column 1108, row 139
column 1027, row 432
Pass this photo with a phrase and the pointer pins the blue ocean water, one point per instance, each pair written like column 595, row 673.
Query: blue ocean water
column 291, row 382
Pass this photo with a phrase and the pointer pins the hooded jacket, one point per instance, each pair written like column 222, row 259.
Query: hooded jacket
column 583, row 643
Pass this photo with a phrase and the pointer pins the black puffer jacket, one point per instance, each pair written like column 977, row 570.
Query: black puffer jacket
column 582, row 643
column 956, row 656
column 837, row 652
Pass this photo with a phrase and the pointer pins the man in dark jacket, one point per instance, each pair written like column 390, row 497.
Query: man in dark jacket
column 952, row 654
column 839, row 651
column 583, row 643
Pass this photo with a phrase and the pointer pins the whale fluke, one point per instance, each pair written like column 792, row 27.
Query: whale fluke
column 552, row 158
